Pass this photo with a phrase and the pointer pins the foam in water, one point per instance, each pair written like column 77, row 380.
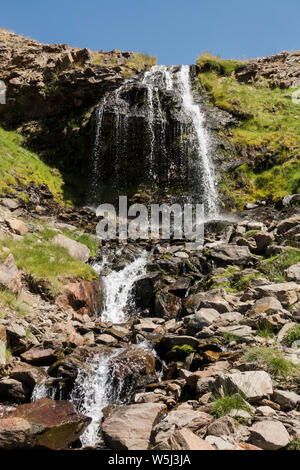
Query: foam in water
column 93, row 390
column 118, row 286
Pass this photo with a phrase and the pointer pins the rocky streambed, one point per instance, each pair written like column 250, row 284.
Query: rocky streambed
column 165, row 349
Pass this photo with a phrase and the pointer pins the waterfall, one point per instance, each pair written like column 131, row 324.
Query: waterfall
column 204, row 165
column 118, row 286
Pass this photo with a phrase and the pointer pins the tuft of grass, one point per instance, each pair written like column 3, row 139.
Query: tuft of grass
column 228, row 336
column 275, row 266
column 8, row 355
column 294, row 445
column 266, row 331
column 273, row 360
column 47, row 261
column 9, row 299
column 293, row 334
column 224, row 405
column 20, row 167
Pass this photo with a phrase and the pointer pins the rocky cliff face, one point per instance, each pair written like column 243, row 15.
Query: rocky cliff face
column 51, row 93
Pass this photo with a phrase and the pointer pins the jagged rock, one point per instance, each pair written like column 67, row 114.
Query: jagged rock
column 130, row 427
column 10, row 276
column 134, row 364
column 221, row 427
column 185, row 439
column 287, row 224
column 76, row 250
column 167, row 305
column 28, row 375
column 253, row 384
column 231, row 254
column 40, row 356
column 204, row 317
column 68, row 330
column 196, row 421
column 180, row 287
column 287, row 400
column 293, row 273
column 269, row 435
column 44, row 423
column 242, row 331
column 12, row 390
column 143, row 290
column 268, row 305
column 10, row 204
column 284, row 331
column 219, row 443
column 106, row 339
column 262, row 240
column 206, row 300
column 85, row 297
column 286, row 292
column 17, row 226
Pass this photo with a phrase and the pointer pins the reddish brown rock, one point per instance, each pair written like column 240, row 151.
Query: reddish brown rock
column 39, row 356
column 85, row 298
column 44, row 423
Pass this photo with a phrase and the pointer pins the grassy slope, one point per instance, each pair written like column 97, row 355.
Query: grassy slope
column 268, row 119
column 19, row 167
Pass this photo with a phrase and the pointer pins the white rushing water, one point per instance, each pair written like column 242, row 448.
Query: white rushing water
column 118, row 286
column 204, row 162
column 93, row 390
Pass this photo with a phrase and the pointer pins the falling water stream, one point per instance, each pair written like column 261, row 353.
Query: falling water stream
column 94, row 386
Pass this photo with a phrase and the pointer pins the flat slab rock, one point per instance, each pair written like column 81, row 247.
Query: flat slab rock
column 253, row 384
column 45, row 423
column 130, row 427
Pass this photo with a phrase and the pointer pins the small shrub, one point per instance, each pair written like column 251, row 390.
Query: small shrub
column 293, row 334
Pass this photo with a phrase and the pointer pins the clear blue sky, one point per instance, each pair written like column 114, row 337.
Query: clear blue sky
column 175, row 31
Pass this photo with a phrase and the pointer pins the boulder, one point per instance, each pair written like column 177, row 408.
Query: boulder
column 252, row 384
column 287, row 224
column 129, row 427
column 196, row 421
column 285, row 292
column 10, row 276
column 206, row 300
column 2, row 353
column 204, row 317
column 263, row 240
column 167, row 305
column 28, row 375
column 85, row 297
column 293, row 272
column 134, row 364
column 12, row 391
column 221, row 427
column 269, row 435
column 76, row 250
column 40, row 356
column 43, row 424
column 68, row 330
column 143, row 290
column 230, row 254
column 268, row 305
column 185, row 439
column 170, row 340
column 180, row 287
column 286, row 399
column 17, row 226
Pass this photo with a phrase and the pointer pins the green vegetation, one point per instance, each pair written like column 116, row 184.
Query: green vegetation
column 275, row 266
column 244, row 281
column 185, row 348
column 228, row 336
column 267, row 131
column 294, row 445
column 47, row 261
column 273, row 360
column 20, row 167
column 138, row 61
column 9, row 299
column 8, row 355
column 224, row 405
column 266, row 331
column 293, row 334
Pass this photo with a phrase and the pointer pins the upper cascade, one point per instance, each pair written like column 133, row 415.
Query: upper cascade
column 151, row 131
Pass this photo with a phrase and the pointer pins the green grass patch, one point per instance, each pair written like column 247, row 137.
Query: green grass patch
column 273, row 360
column 20, row 167
column 9, row 299
column 185, row 348
column 47, row 261
column 224, row 405
column 275, row 266
column 268, row 127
